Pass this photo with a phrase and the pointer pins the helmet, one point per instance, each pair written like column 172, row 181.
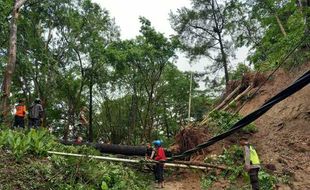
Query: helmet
column 37, row 100
column 157, row 143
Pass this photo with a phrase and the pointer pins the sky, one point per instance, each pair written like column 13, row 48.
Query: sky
column 127, row 12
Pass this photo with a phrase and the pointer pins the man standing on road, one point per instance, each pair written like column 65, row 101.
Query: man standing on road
column 252, row 164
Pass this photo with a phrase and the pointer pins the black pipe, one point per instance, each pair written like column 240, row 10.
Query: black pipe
column 117, row 149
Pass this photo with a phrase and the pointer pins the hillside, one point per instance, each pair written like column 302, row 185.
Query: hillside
column 283, row 136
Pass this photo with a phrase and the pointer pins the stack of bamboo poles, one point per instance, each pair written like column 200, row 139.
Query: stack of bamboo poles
column 177, row 164
column 236, row 95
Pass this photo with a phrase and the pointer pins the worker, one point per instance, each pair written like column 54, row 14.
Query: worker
column 252, row 164
column 149, row 155
column 159, row 167
column 19, row 119
column 150, row 152
column 81, row 128
column 35, row 114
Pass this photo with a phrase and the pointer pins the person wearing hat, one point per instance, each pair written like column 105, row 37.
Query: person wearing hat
column 36, row 114
column 160, row 156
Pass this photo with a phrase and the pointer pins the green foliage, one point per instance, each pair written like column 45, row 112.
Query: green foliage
column 238, row 73
column 233, row 159
column 203, row 30
column 90, row 173
column 266, row 180
column 18, row 143
column 207, row 181
column 221, row 121
column 60, row 172
column 271, row 28
column 36, row 142
column 40, row 141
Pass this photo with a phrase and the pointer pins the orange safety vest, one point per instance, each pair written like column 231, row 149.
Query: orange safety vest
column 20, row 110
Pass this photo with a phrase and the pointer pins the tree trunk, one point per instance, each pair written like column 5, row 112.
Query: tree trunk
column 218, row 30
column 190, row 97
column 231, row 95
column 224, row 60
column 69, row 122
column 9, row 71
column 44, row 105
column 166, row 121
column 133, row 115
column 90, row 127
column 239, row 96
column 280, row 25
column 224, row 102
column 147, row 120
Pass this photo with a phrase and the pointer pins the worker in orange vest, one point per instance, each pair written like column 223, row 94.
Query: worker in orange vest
column 19, row 119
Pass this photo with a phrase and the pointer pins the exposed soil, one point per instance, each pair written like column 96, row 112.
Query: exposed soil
column 283, row 137
column 183, row 180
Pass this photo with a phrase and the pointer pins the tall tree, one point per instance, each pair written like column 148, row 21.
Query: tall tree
column 10, row 68
column 141, row 62
column 270, row 28
column 202, row 30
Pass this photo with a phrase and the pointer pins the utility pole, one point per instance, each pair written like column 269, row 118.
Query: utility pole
column 190, row 97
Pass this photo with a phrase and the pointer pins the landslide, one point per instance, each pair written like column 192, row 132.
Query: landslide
column 283, row 137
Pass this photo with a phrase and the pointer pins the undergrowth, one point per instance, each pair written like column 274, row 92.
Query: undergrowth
column 235, row 175
column 25, row 164
column 221, row 121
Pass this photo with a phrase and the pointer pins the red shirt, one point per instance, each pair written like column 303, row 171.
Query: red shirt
column 160, row 154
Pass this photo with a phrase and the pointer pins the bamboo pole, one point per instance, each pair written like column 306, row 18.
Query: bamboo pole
column 224, row 102
column 190, row 98
column 239, row 96
column 231, row 95
column 177, row 164
column 201, row 164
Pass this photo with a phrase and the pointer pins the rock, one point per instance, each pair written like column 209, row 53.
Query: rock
column 270, row 167
column 282, row 187
column 282, row 161
column 288, row 171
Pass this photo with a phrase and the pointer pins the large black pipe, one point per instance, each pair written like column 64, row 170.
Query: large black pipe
column 117, row 149
column 121, row 149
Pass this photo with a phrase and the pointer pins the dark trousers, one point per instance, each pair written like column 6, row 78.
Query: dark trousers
column 253, row 173
column 159, row 172
column 34, row 123
column 19, row 122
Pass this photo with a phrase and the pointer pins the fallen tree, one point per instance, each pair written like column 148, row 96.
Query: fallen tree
column 116, row 148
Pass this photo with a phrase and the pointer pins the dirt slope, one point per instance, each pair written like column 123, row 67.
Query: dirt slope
column 183, row 180
column 283, row 138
